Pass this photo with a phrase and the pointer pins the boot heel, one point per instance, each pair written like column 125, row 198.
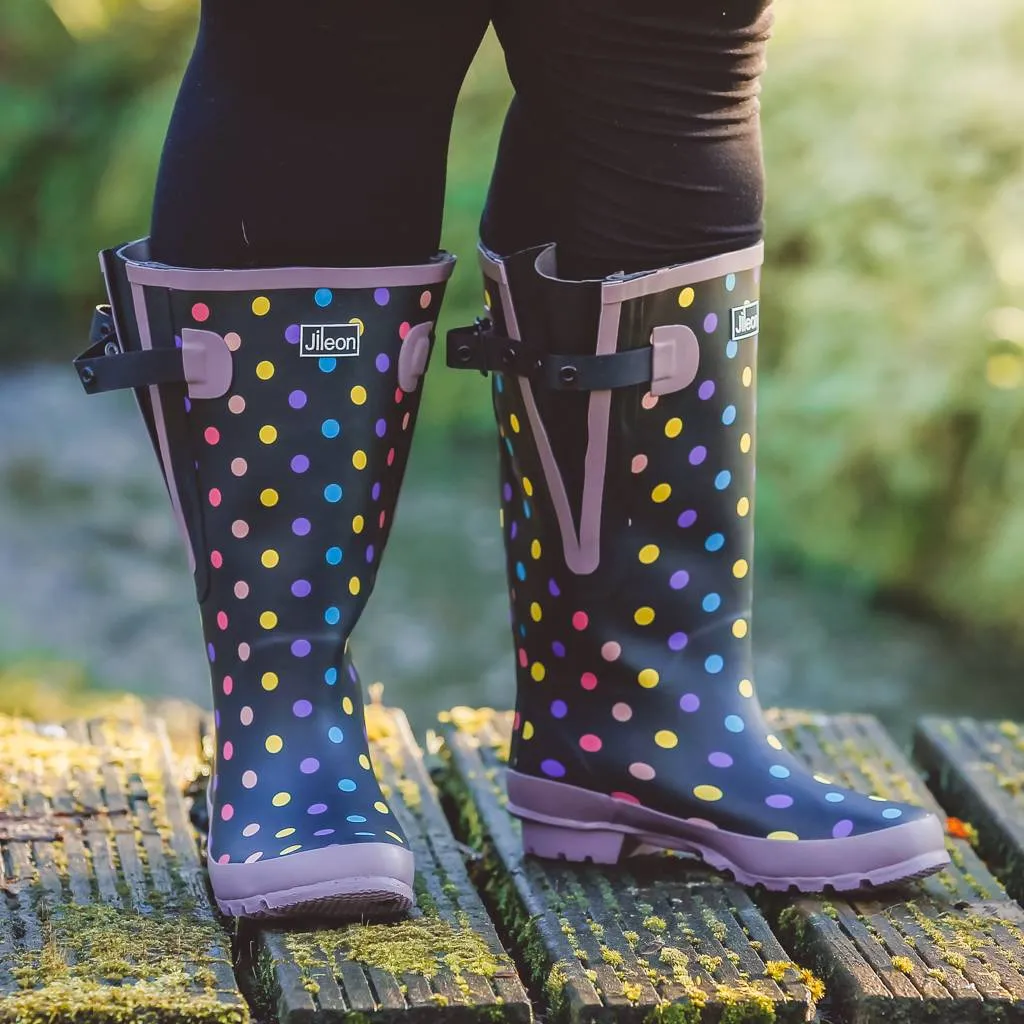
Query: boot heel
column 600, row 846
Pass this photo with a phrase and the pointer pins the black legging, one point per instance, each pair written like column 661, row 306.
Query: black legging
column 315, row 132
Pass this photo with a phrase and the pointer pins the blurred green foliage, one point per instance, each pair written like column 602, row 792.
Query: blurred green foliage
column 892, row 406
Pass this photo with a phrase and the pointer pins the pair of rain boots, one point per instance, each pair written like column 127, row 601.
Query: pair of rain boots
column 281, row 405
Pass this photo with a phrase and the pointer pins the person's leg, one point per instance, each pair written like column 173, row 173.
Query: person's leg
column 313, row 132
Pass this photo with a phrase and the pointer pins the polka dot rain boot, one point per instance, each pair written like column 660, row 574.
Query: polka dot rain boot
column 281, row 405
column 625, row 410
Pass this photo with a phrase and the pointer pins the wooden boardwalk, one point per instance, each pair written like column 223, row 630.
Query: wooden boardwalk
column 105, row 917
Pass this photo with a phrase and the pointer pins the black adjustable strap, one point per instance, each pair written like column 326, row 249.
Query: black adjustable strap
column 104, row 366
column 482, row 348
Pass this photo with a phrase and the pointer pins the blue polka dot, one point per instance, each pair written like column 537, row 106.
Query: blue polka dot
column 729, row 415
column 714, row 664
column 715, row 542
column 835, row 798
column 368, row 834
column 327, row 364
column 332, row 492
column 332, row 616
column 711, row 602
column 891, row 813
column 730, row 282
column 331, row 676
column 526, row 509
column 499, row 383
column 508, row 445
column 522, row 630
column 346, row 785
column 335, row 735
column 356, row 819
column 723, row 480
column 779, row 771
column 333, row 556
column 330, row 428
column 731, row 349
column 734, row 723
column 520, row 570
column 323, row 297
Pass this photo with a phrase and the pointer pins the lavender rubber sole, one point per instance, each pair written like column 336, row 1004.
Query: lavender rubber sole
column 608, row 829
column 364, row 880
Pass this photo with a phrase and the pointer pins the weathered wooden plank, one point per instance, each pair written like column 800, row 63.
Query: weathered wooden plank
column 316, row 976
column 947, row 948
column 661, row 939
column 97, row 924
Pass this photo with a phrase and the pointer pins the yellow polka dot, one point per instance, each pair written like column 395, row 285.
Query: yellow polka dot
column 359, row 324
column 269, row 680
column 743, row 507
column 748, row 376
column 686, row 298
column 274, row 744
column 357, row 524
column 746, row 688
column 269, row 497
column 284, row 833
column 265, row 369
column 358, row 395
column 527, row 486
column 661, row 493
column 740, row 628
column 268, row 620
column 270, row 558
column 643, row 616
column 501, row 517
column 823, row 779
column 513, row 421
column 527, row 730
column 535, row 612
column 268, row 434
column 347, row 706
column 291, row 849
column 538, row 671
column 649, row 553
column 877, row 799
column 745, row 442
column 535, row 549
column 394, row 835
column 364, row 762
column 709, row 793
column 648, row 678
column 359, row 459
column 282, row 799
column 487, row 299
column 261, row 305
column 773, row 742
column 666, row 738
column 674, row 427
column 740, row 568
column 789, row 836
column 354, row 586
column 381, row 806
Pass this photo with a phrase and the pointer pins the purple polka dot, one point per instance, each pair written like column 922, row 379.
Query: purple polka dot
column 353, row 674
column 188, row 405
column 381, row 427
column 216, row 722
column 301, row 648
column 375, row 492
column 369, row 553
column 309, row 765
column 553, row 589
column 317, row 809
column 558, row 648
column 382, row 362
column 841, row 829
column 710, row 322
column 211, row 653
column 177, row 341
column 302, row 709
column 297, row 399
column 698, row 455
column 300, row 464
column 292, row 333
column 687, row 519
column 301, row 526
column 689, row 702
column 381, row 296
column 706, row 390
column 553, row 768
column 779, row 801
column 513, row 530
column 679, row 579
column 559, row 709
column 506, row 492
column 301, row 588
column 677, row 641
column 324, row 832
column 720, row 759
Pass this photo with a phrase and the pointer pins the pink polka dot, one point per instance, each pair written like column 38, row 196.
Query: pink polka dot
column 627, row 798
column 216, row 559
column 236, row 404
column 391, row 457
column 240, row 528
column 588, row 681
column 580, row 620
column 406, row 419
column 228, row 685
column 523, row 660
column 243, row 652
column 611, row 650
column 591, row 743
column 516, row 721
column 227, row 812
column 229, row 750
column 200, row 312
column 212, row 435
column 639, row 463
column 622, row 712
column 425, row 300
column 641, row 771
column 215, row 497
column 233, row 340
column 239, row 467
column 222, row 620
column 223, row 859
column 382, row 519
column 403, row 329
column 649, row 401
column 241, row 590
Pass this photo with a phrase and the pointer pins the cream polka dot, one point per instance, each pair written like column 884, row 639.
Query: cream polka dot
column 748, row 376
column 746, row 688
column 709, row 793
column 611, row 650
column 249, row 779
column 233, row 340
column 250, row 830
column 642, row 771
column 649, row 553
column 240, row 528
column 773, row 742
column 674, row 427
column 666, row 739
column 236, row 404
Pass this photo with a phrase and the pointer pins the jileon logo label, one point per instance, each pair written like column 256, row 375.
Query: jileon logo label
column 745, row 320
column 330, row 340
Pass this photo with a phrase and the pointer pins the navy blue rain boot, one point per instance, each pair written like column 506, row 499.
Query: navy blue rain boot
column 281, row 405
